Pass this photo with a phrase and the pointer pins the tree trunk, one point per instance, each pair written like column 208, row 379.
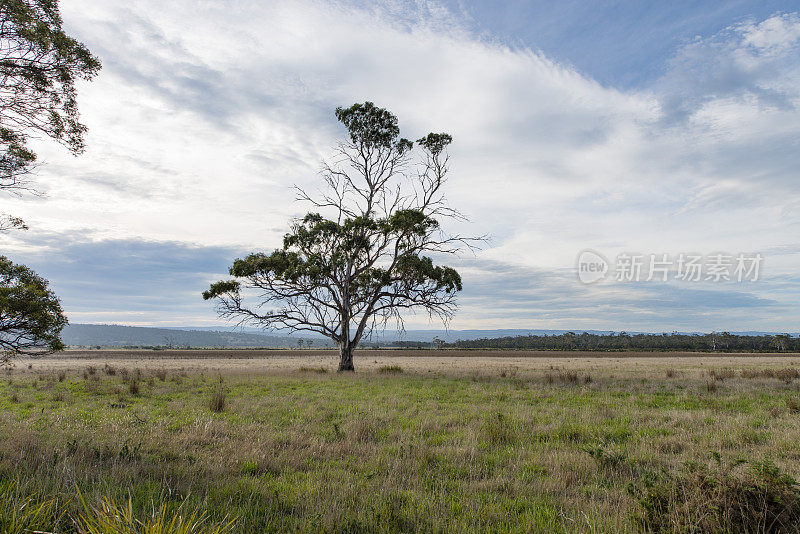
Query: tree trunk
column 346, row 357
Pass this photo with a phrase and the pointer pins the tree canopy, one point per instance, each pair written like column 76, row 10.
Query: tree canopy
column 364, row 254
column 39, row 65
column 31, row 319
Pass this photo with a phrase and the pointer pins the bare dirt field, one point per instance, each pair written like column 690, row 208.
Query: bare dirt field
column 448, row 362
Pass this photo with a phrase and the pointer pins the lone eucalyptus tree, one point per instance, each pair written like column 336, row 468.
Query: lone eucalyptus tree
column 359, row 259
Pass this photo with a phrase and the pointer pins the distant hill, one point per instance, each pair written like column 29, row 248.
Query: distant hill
column 389, row 335
column 86, row 335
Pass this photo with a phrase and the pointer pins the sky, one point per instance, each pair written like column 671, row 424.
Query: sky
column 630, row 129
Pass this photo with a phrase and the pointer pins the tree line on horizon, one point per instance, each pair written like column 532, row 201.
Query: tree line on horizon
column 622, row 341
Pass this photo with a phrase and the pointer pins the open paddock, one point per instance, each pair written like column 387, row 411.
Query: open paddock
column 414, row 441
column 447, row 362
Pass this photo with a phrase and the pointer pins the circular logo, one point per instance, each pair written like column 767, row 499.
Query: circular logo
column 591, row 266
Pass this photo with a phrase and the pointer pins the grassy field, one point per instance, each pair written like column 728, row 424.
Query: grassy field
column 429, row 443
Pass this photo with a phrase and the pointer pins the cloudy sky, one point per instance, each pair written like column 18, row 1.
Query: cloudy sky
column 625, row 128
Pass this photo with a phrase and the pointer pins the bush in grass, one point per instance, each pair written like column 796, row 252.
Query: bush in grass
column 218, row 401
column 306, row 369
column 108, row 518
column 24, row 513
column 701, row 499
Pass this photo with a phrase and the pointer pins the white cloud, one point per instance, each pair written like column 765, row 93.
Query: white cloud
column 206, row 113
column 777, row 34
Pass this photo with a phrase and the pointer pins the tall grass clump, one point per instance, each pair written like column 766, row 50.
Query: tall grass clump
column 108, row 518
column 218, row 401
column 498, row 430
column 306, row 369
column 702, row 499
column 24, row 513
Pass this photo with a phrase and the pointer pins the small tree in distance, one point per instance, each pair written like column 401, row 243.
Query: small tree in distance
column 361, row 263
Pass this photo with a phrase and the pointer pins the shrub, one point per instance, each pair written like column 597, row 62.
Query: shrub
column 133, row 387
column 218, row 400
column 62, row 375
column 21, row 513
column 364, row 430
column 793, row 404
column 161, row 374
column 498, row 430
column 390, row 369
column 250, row 467
column 106, row 518
column 606, row 459
column 700, row 499
column 570, row 377
column 567, row 377
column 110, row 370
column 320, row 370
column 786, row 375
column 721, row 374
column 508, row 373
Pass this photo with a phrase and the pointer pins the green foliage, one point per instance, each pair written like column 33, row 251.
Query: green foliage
column 31, row 318
column 109, row 518
column 221, row 288
column 390, row 369
column 218, row 401
column 622, row 341
column 302, row 453
column 372, row 127
column 718, row 499
column 23, row 513
column 14, row 156
column 39, row 65
column 435, row 143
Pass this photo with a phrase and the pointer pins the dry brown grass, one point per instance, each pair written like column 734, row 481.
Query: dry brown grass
column 431, row 449
column 218, row 401
column 785, row 375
